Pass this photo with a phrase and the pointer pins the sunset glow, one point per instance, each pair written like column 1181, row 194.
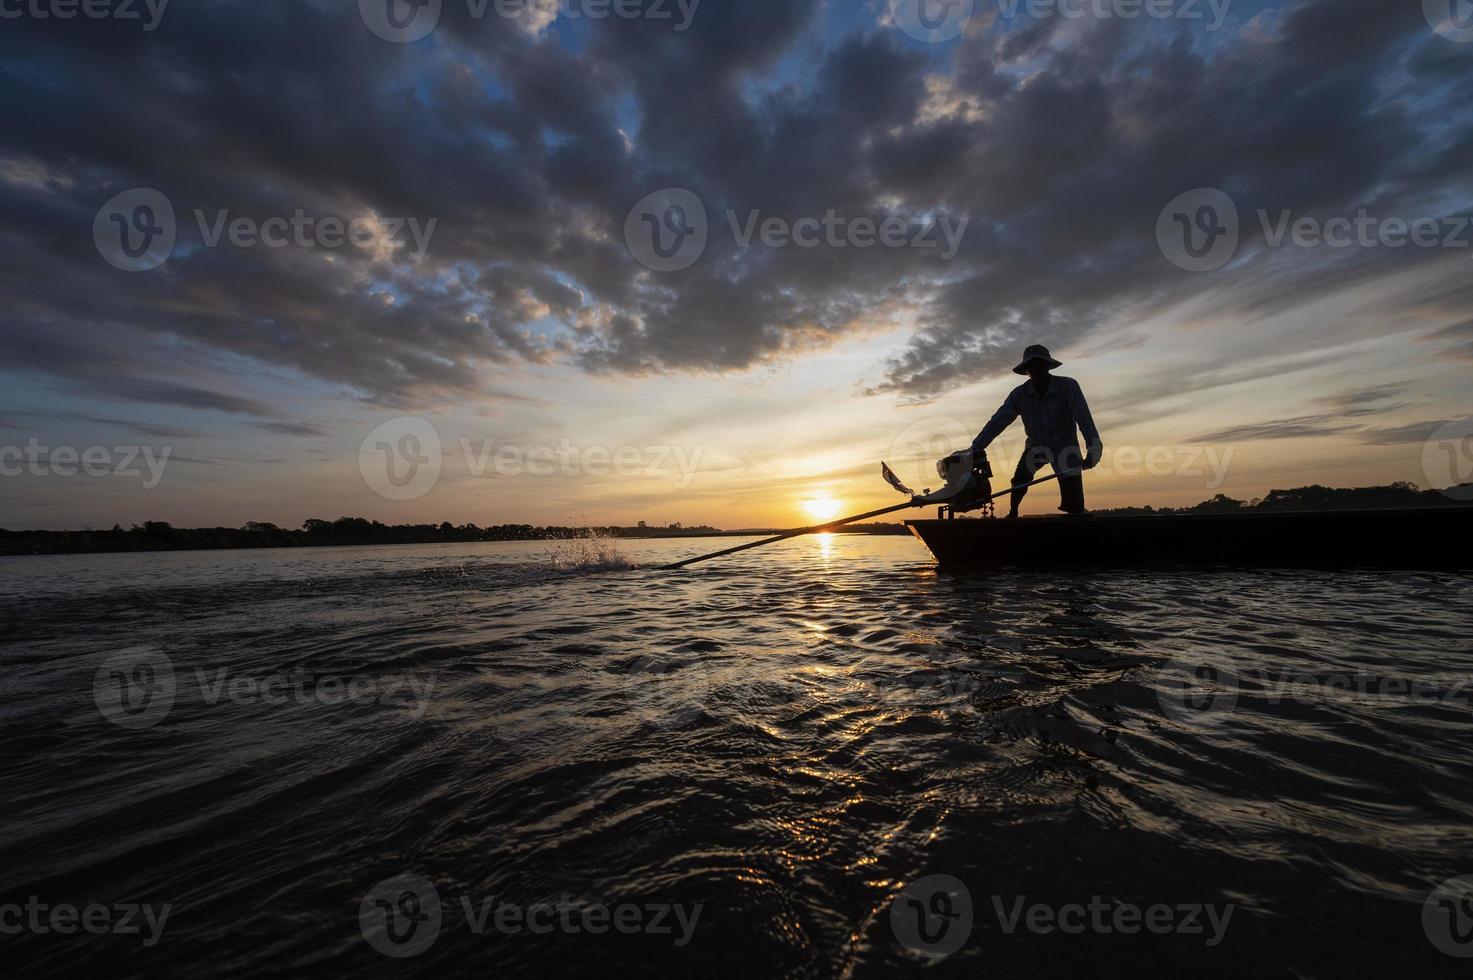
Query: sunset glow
column 822, row 508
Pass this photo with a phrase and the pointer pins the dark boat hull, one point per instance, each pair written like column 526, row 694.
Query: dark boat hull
column 1433, row 537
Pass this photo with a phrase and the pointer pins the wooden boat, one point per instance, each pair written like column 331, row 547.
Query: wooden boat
column 1430, row 537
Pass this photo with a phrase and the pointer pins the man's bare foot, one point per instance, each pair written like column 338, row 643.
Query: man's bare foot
column 1011, row 515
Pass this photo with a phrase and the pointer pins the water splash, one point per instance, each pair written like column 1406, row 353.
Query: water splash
column 589, row 552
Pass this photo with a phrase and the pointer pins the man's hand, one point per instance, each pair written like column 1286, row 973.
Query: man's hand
column 1091, row 461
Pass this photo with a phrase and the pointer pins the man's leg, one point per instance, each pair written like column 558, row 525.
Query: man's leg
column 1071, row 494
column 1028, row 465
column 1069, row 466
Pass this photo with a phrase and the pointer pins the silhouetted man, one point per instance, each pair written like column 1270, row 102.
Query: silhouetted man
column 1052, row 409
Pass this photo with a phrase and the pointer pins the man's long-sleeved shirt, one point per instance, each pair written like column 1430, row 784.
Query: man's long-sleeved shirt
column 1049, row 420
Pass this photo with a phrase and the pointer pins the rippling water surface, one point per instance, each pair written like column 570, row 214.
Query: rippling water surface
column 771, row 745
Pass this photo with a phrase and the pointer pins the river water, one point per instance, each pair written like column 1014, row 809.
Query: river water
column 818, row 759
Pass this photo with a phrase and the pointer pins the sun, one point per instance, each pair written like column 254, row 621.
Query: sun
column 823, row 508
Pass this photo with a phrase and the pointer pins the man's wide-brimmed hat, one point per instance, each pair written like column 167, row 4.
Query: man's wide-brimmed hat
column 1037, row 352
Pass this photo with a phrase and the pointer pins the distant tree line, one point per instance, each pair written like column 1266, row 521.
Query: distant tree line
column 1395, row 495
column 159, row 536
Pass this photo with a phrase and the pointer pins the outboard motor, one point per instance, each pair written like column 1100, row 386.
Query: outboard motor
column 968, row 484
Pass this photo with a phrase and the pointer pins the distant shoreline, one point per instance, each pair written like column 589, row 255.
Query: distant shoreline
column 346, row 532
column 359, row 532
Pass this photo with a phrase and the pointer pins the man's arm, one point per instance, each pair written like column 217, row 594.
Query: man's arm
column 1000, row 420
column 1094, row 448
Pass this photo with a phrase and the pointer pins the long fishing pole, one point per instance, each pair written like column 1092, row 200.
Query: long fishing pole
column 815, row 529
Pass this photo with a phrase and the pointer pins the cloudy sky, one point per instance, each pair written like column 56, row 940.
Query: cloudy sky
column 598, row 262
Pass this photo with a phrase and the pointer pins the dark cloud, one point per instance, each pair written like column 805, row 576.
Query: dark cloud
column 30, row 420
column 1303, row 427
column 1362, row 401
column 527, row 151
column 168, row 393
column 305, row 429
column 1460, row 338
column 1401, row 434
